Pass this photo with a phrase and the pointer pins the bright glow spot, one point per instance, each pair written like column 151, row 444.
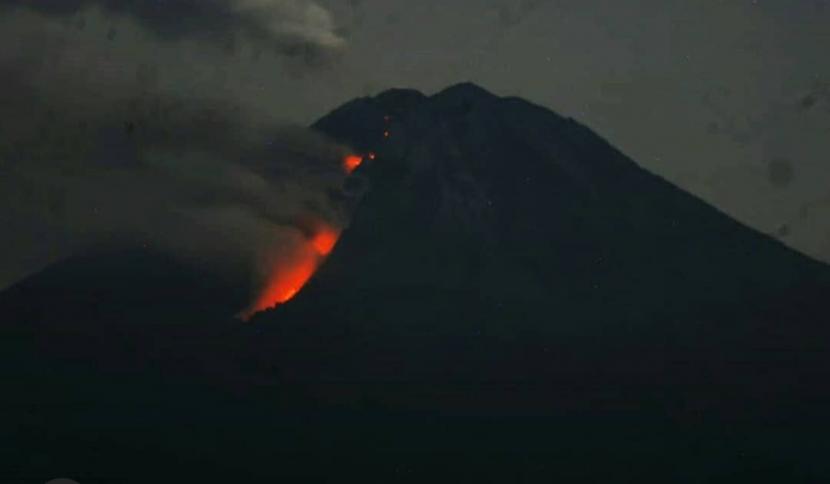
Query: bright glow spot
column 351, row 162
column 324, row 240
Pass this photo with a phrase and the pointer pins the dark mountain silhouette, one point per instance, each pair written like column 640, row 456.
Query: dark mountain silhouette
column 514, row 299
column 510, row 241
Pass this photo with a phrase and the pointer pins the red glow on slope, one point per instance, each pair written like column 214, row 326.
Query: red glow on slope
column 351, row 162
column 324, row 240
column 284, row 283
column 289, row 274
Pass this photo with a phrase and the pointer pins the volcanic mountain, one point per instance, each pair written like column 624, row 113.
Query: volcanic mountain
column 499, row 239
column 511, row 287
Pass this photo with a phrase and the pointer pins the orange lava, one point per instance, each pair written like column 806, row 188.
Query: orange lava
column 351, row 162
column 324, row 240
column 284, row 283
column 289, row 274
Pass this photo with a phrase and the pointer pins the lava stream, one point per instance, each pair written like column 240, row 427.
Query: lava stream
column 290, row 273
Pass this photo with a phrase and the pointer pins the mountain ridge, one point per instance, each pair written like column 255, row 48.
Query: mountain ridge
column 467, row 89
column 625, row 174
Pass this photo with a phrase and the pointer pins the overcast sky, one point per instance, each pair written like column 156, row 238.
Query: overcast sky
column 728, row 99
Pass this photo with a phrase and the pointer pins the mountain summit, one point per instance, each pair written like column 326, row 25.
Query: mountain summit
column 511, row 204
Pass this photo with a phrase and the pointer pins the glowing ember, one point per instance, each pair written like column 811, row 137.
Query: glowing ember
column 351, row 162
column 289, row 274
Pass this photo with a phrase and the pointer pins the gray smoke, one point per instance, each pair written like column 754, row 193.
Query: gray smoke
column 101, row 144
column 291, row 26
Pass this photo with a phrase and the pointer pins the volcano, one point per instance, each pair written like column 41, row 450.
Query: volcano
column 514, row 298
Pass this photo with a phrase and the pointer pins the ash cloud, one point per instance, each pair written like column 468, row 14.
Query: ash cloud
column 511, row 14
column 101, row 146
column 780, row 172
column 291, row 26
column 814, row 97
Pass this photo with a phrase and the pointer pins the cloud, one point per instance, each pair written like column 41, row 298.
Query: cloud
column 820, row 93
column 204, row 181
column 104, row 144
column 292, row 26
column 512, row 13
column 780, row 172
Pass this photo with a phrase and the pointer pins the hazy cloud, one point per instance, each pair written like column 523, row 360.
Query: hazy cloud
column 100, row 147
column 289, row 25
column 820, row 94
column 780, row 172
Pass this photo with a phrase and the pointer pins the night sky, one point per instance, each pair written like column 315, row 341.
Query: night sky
column 729, row 100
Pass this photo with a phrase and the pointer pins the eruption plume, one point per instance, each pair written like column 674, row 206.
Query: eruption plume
column 148, row 153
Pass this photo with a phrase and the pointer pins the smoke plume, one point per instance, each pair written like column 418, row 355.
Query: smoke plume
column 101, row 144
column 288, row 25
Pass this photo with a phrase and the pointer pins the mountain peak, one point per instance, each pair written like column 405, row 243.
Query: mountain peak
column 397, row 100
column 474, row 189
column 362, row 122
column 468, row 90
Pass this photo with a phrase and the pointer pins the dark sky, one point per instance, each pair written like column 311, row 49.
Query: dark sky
column 728, row 99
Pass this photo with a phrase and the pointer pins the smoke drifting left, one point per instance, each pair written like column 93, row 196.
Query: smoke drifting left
column 93, row 155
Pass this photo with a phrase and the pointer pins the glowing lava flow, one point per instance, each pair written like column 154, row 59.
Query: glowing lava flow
column 289, row 274
column 351, row 162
